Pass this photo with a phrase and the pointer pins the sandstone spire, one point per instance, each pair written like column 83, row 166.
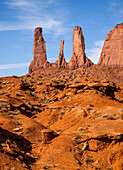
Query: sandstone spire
column 39, row 51
column 78, row 58
column 61, row 60
column 112, row 52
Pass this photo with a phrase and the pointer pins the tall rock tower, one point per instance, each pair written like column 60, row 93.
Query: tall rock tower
column 78, row 58
column 39, row 52
column 61, row 60
column 112, row 52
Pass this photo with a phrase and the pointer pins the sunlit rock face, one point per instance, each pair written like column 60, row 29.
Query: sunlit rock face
column 78, row 58
column 112, row 52
column 39, row 51
column 61, row 63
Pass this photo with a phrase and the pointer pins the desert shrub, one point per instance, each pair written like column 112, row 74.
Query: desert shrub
column 28, row 75
column 55, row 92
column 14, row 76
column 40, row 76
column 54, row 81
column 76, row 81
column 110, row 118
column 17, row 94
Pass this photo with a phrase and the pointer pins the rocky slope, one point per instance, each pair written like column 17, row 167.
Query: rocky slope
column 60, row 124
column 112, row 52
column 101, row 72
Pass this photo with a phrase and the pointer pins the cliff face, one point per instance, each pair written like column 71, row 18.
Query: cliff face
column 112, row 52
column 78, row 58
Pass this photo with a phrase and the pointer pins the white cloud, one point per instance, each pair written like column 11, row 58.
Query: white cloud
column 9, row 66
column 116, row 8
column 31, row 14
column 94, row 53
column 99, row 43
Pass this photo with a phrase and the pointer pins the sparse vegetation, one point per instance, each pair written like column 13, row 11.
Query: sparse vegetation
column 44, row 107
column 40, row 76
column 28, row 75
column 110, row 118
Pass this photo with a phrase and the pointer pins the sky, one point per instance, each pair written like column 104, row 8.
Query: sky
column 19, row 18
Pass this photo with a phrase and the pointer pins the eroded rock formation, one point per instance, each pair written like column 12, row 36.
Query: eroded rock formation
column 78, row 58
column 39, row 52
column 112, row 52
column 61, row 63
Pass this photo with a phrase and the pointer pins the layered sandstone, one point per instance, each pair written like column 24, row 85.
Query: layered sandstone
column 78, row 58
column 39, row 52
column 112, row 52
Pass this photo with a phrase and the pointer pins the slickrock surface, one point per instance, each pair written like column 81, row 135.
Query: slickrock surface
column 60, row 123
column 78, row 58
column 112, row 52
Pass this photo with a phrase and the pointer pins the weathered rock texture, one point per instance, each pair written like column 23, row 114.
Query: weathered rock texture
column 112, row 52
column 61, row 123
column 39, row 52
column 78, row 58
column 61, row 63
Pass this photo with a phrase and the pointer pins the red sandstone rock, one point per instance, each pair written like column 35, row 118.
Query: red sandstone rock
column 47, row 135
column 112, row 52
column 61, row 60
column 78, row 58
column 39, row 52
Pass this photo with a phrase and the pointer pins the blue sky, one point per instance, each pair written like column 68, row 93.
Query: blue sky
column 19, row 18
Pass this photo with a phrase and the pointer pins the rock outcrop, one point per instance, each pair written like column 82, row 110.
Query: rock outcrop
column 39, row 52
column 112, row 52
column 61, row 63
column 78, row 58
